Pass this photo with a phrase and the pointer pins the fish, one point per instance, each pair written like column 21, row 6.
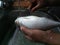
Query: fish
column 35, row 22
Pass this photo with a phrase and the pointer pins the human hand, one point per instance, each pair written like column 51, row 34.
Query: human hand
column 38, row 3
column 35, row 34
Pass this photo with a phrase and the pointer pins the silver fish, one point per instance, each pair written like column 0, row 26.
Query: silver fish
column 35, row 22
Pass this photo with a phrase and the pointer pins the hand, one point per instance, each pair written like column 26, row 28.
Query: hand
column 39, row 4
column 35, row 35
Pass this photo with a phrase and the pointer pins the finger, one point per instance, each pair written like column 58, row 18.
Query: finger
column 36, row 7
column 26, row 31
column 28, row 37
column 33, row 9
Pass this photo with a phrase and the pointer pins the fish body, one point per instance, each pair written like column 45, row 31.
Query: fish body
column 35, row 22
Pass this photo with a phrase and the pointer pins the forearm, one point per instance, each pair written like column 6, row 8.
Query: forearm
column 53, row 38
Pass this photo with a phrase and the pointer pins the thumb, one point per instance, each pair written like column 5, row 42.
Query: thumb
column 26, row 31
